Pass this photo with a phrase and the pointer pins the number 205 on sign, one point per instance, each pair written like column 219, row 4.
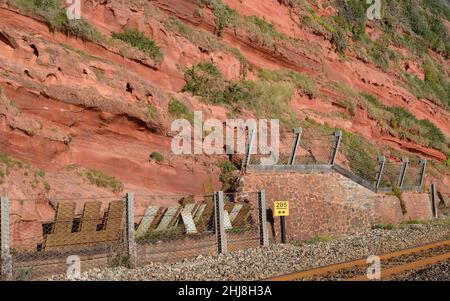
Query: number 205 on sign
column 281, row 208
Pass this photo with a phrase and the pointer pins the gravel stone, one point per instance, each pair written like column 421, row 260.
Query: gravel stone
column 262, row 263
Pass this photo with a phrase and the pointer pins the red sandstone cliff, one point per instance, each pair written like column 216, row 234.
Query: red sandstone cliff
column 85, row 103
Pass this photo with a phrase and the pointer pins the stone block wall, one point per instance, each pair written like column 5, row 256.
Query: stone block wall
column 330, row 204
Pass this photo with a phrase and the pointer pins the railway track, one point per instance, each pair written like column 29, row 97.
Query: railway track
column 392, row 264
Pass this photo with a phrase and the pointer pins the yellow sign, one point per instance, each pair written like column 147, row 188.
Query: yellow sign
column 281, row 208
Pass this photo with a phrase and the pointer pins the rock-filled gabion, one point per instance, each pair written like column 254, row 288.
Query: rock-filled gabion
column 261, row 263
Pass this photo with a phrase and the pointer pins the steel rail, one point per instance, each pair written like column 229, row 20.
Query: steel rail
column 355, row 263
column 406, row 267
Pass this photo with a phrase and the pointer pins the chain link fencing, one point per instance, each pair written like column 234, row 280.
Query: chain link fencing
column 391, row 174
column 413, row 174
column 242, row 220
column 315, row 148
column 283, row 145
column 65, row 237
column 172, row 228
column 362, row 164
column 46, row 238
column 311, row 149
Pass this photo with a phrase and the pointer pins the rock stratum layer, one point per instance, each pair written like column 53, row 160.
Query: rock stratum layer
column 98, row 104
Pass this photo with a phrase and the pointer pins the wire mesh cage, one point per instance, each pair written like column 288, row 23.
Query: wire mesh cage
column 87, row 231
column 241, row 220
column 172, row 228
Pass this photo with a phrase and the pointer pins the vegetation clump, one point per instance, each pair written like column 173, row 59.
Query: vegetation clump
column 56, row 16
column 319, row 238
column 268, row 97
column 227, row 174
column 97, row 178
column 397, row 192
column 361, row 155
column 140, row 41
column 384, row 226
column 401, row 123
column 157, row 156
column 177, row 109
column 225, row 16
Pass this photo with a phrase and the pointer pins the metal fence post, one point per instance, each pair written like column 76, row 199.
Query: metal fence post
column 130, row 239
column 338, row 137
column 221, row 236
column 402, row 175
column 423, row 164
column 263, row 235
column 248, row 149
column 6, row 258
column 295, row 144
column 382, row 161
column 433, row 200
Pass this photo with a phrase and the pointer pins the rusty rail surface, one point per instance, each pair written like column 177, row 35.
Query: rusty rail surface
column 406, row 267
column 334, row 268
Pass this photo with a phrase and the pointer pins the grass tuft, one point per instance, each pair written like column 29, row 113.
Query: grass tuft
column 140, row 41
column 158, row 157
column 55, row 15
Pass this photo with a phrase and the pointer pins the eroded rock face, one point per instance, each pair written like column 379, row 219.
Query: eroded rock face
column 86, row 103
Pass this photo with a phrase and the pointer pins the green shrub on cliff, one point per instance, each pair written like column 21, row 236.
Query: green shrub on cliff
column 225, row 16
column 177, row 109
column 140, row 41
column 97, row 177
column 302, row 81
column 361, row 155
column 397, row 192
column 267, row 98
column 100, row 179
column 157, row 156
column 401, row 123
column 56, row 16
column 227, row 175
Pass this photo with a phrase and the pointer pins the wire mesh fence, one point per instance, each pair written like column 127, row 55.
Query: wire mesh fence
column 391, row 174
column 311, row 149
column 183, row 227
column 413, row 174
column 363, row 165
column 242, row 220
column 91, row 234
column 358, row 162
column 281, row 144
column 95, row 234
column 314, row 148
